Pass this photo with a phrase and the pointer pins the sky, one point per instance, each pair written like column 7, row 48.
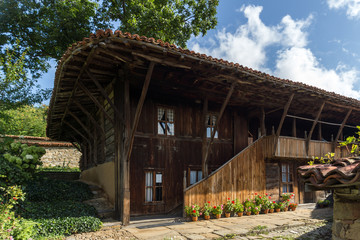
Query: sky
column 314, row 42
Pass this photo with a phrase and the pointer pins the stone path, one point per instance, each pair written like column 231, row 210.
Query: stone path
column 304, row 223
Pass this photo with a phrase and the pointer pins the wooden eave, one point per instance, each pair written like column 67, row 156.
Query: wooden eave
column 178, row 72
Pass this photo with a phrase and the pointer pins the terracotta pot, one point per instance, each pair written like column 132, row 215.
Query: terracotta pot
column 240, row 214
column 194, row 219
column 293, row 208
column 285, row 209
column 248, row 213
column 271, row 210
column 266, row 211
column 217, row 216
column 227, row 214
column 256, row 213
column 206, row 217
column 277, row 210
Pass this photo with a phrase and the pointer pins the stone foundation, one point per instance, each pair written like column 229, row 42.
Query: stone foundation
column 346, row 223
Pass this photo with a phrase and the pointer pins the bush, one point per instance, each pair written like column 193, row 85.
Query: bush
column 67, row 226
column 45, row 210
column 57, row 190
column 58, row 169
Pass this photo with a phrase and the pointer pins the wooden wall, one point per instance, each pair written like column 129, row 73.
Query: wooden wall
column 239, row 178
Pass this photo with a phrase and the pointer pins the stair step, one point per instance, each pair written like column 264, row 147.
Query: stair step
column 106, row 213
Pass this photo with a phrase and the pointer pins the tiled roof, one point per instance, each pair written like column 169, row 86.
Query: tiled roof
column 39, row 141
column 341, row 171
column 102, row 34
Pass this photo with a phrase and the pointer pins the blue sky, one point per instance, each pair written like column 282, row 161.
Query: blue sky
column 314, row 42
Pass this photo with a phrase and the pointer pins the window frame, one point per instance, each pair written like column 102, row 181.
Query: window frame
column 165, row 108
column 154, row 187
column 211, row 126
column 289, row 174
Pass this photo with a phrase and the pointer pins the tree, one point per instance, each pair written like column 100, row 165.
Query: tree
column 26, row 120
column 47, row 27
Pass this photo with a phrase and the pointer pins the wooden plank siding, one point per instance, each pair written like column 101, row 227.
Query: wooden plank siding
column 289, row 147
column 240, row 177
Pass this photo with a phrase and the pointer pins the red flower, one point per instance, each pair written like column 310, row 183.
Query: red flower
column 255, row 193
column 9, row 218
column 194, row 211
column 288, row 200
column 233, row 202
column 260, row 197
column 214, row 207
column 269, row 197
column 266, row 194
column 15, row 198
column 274, row 202
column 228, row 198
column 208, row 201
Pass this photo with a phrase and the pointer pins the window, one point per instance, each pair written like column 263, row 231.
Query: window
column 153, row 186
column 286, row 178
column 195, row 176
column 165, row 121
column 210, row 125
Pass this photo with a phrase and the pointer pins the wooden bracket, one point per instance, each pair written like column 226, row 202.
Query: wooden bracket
column 340, row 129
column 308, row 139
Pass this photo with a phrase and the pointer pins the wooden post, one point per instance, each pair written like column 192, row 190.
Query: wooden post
column 278, row 131
column 294, row 127
column 262, row 122
column 340, row 130
column 216, row 126
column 308, row 139
column 319, row 132
column 204, row 166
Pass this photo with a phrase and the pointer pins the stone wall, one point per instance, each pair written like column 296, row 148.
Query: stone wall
column 57, row 153
column 346, row 223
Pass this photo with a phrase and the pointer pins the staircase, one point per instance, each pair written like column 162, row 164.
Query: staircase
column 100, row 202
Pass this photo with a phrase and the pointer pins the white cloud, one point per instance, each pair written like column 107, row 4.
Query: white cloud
column 251, row 42
column 352, row 7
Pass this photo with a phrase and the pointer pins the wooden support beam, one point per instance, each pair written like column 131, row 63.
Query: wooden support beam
column 217, row 124
column 342, row 125
column 278, row 131
column 104, row 94
column 313, row 128
column 161, row 60
column 89, row 115
column 294, row 127
column 262, row 122
column 204, row 166
column 100, row 106
column 81, row 124
column 319, row 131
column 75, row 146
column 324, row 122
column 129, row 145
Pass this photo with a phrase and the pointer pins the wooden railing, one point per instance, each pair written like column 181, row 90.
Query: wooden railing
column 241, row 176
column 290, row 147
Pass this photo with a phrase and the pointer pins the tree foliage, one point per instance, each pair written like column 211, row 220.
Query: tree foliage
column 47, row 27
column 26, row 120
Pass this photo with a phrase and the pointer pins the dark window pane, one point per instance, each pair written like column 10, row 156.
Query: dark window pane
column 158, row 194
column 284, row 189
column 291, row 188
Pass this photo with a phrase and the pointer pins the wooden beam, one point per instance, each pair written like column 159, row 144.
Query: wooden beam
column 104, row 94
column 313, row 127
column 129, row 145
column 294, row 127
column 342, row 125
column 101, row 107
column 204, row 167
column 217, row 124
column 319, row 132
column 278, row 131
column 328, row 123
column 262, row 122
column 161, row 61
column 86, row 112
column 81, row 124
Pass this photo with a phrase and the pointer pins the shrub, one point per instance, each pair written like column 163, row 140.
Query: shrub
column 45, row 210
column 193, row 210
column 217, row 209
column 57, row 190
column 229, row 206
column 238, row 208
column 67, row 226
column 206, row 209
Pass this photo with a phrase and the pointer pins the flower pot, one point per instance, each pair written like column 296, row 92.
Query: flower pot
column 293, row 208
column 206, row 217
column 277, row 210
column 217, row 216
column 194, row 219
column 240, row 214
column 227, row 214
column 285, row 209
column 256, row 213
column 266, row 211
column 271, row 210
column 248, row 213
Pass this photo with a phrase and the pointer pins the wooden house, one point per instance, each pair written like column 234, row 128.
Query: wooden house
column 160, row 126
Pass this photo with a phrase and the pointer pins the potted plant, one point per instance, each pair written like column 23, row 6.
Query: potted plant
column 248, row 206
column 256, row 209
column 229, row 207
column 293, row 206
column 271, row 207
column 238, row 208
column 217, row 211
column 206, row 211
column 277, row 206
column 193, row 211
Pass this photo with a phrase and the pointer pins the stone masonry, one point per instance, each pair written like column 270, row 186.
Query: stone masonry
column 62, row 154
